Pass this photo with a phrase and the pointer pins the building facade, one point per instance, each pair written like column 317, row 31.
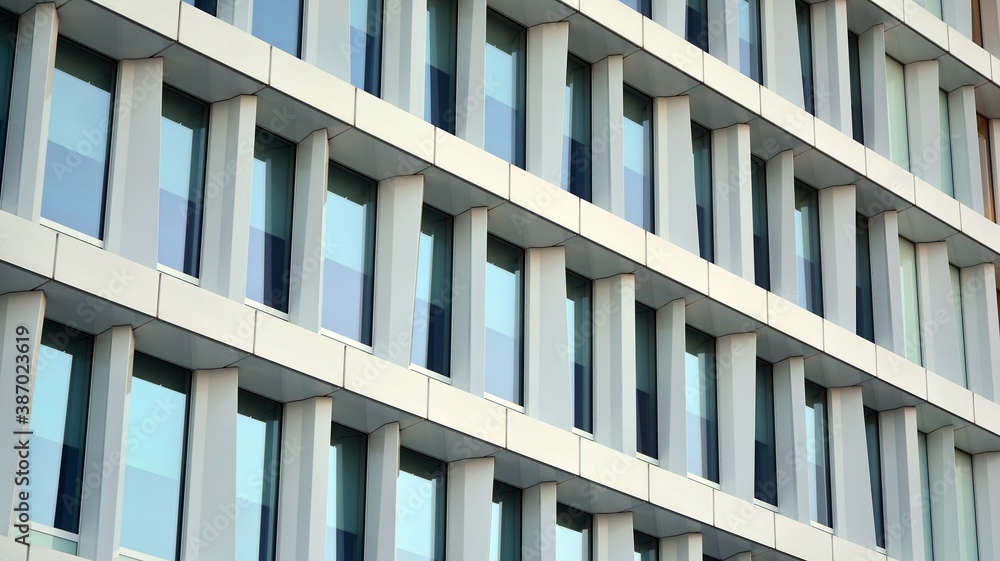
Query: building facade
column 556, row 280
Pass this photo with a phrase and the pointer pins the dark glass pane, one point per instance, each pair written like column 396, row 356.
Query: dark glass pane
column 696, row 23
column 279, row 23
column 345, row 510
column 8, row 28
column 854, row 61
column 865, row 311
column 702, row 406
column 761, row 251
column 875, row 471
column 204, row 5
column 986, row 166
column 818, row 455
column 574, row 529
column 258, row 432
column 579, row 307
column 645, row 380
column 505, row 85
column 505, row 534
column 439, row 95
column 577, row 167
column 432, row 310
column 366, row 45
column 420, row 508
column 504, row 320
column 765, row 462
column 638, row 141
column 702, row 146
column 646, row 547
column 749, row 28
column 807, row 249
column 803, row 15
column 271, row 221
column 644, row 7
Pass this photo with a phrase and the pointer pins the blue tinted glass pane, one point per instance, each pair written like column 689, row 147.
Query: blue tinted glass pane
column 504, row 294
column 204, row 5
column 349, row 255
column 59, row 424
column 804, row 17
column 750, row 52
column 864, row 302
column 638, row 136
column 257, row 432
column 505, row 68
column 579, row 310
column 761, row 251
column 765, row 463
column 818, row 455
column 154, row 459
column 278, row 23
column 439, row 95
column 8, row 28
column 76, row 156
column 646, row 547
column 854, row 62
column 644, row 7
column 573, row 534
column 696, row 23
column 645, row 380
column 366, row 45
column 807, row 251
column 345, row 507
column 271, row 221
column 505, row 523
column 432, row 309
column 702, row 412
column 420, row 508
column 702, row 146
column 875, row 472
column 577, row 175
column 183, row 140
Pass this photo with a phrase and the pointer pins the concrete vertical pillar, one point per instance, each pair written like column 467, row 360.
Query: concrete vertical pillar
column 968, row 178
column 780, row 174
column 982, row 339
column 312, row 163
column 404, row 54
column 675, row 211
column 326, row 36
column 853, row 512
column 733, row 200
column 614, row 363
column 790, row 438
column 304, row 482
column 21, row 317
column 468, row 313
column 989, row 15
column 238, row 13
column 397, row 245
column 831, row 67
column 883, row 243
column 874, row 103
column 724, row 31
column 685, row 547
column 958, row 14
column 779, row 34
column 986, row 480
column 28, row 116
column 226, row 236
column 548, row 45
column 546, row 338
column 470, row 508
column 209, row 488
column 943, row 493
column 101, row 508
column 609, row 144
column 939, row 339
column 134, row 171
column 901, row 483
column 671, row 386
column 736, row 367
column 470, row 76
column 923, row 120
column 671, row 14
column 380, row 496
column 538, row 526
column 613, row 537
column 838, row 253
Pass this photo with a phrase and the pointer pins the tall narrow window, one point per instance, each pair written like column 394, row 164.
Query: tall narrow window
column 279, row 23
column 986, row 166
column 696, row 23
column 154, row 459
column 944, row 141
column 577, row 175
column 803, row 14
column 505, row 523
column 504, row 320
column 765, row 451
column 8, row 28
column 977, row 23
column 574, row 531
column 79, row 141
column 59, row 424
column 505, row 88
column 864, row 301
column 807, row 248
column 875, row 472
column 761, row 251
column 925, row 497
column 439, row 89
column 646, row 547
column 420, row 508
column 432, row 310
column 645, row 380
column 271, row 221
column 899, row 143
column 579, row 309
column 638, row 142
column 857, row 110
column 967, row 535
column 956, row 299
column 366, row 45
column 911, row 307
column 349, row 255
column 751, row 64
column 183, row 142
column 345, row 507
column 702, row 145
column 644, row 7
column 257, row 434
column 818, row 455
column 701, row 405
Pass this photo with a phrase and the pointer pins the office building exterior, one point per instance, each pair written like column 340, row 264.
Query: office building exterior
column 500, row 279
